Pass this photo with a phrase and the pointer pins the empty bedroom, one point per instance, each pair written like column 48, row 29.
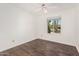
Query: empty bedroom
column 39, row 29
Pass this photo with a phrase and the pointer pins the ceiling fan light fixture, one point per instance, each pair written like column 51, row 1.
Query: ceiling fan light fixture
column 44, row 8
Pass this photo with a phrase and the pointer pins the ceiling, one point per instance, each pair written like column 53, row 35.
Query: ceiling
column 36, row 7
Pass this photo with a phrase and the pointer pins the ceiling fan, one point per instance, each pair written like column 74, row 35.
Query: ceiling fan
column 44, row 8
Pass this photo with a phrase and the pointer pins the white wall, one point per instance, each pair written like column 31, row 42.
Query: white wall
column 16, row 26
column 77, row 26
column 68, row 33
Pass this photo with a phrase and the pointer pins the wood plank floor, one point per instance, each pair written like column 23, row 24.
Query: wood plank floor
column 39, row 47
